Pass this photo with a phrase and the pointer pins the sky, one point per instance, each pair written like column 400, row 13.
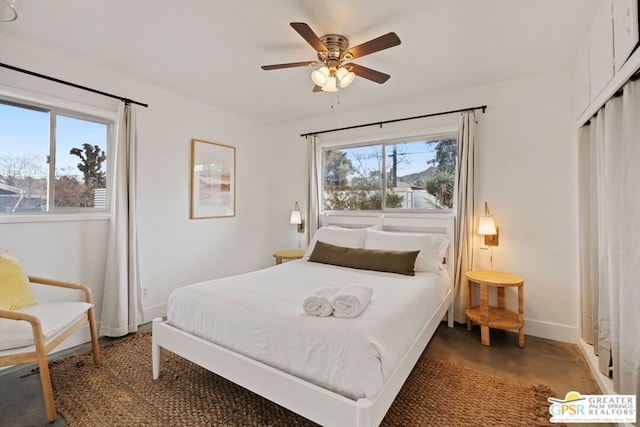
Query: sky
column 413, row 156
column 26, row 132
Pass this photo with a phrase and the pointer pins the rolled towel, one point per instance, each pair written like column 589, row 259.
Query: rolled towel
column 319, row 303
column 351, row 300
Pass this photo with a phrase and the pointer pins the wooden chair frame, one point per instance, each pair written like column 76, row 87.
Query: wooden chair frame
column 39, row 356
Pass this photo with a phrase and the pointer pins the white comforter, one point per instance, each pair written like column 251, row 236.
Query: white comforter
column 259, row 315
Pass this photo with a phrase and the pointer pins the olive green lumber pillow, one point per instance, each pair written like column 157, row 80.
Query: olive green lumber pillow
column 15, row 289
column 365, row 259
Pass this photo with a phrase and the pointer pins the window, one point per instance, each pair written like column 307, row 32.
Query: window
column 416, row 174
column 52, row 160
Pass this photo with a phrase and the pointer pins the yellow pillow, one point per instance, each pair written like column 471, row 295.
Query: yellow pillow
column 15, row 289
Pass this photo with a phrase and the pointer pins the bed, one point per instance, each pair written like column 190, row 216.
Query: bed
column 330, row 370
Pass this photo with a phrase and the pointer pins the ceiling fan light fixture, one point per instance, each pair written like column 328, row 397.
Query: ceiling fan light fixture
column 333, row 51
column 345, row 77
column 320, row 76
column 331, row 85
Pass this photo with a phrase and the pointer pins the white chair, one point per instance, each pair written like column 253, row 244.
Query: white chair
column 30, row 333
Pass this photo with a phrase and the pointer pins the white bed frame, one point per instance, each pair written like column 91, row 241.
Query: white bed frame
column 308, row 400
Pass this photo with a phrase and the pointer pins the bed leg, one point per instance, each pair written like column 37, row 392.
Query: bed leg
column 363, row 412
column 450, row 316
column 155, row 350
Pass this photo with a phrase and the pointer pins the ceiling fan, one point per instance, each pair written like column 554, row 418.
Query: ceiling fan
column 335, row 55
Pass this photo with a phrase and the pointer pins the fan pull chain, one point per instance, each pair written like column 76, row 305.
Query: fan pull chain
column 337, row 103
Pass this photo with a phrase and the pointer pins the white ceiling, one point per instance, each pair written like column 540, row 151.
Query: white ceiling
column 212, row 50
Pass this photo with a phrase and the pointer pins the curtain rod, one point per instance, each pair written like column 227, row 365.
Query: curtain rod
column 482, row 107
column 53, row 79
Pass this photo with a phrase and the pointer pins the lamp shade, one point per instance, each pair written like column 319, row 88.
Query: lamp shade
column 331, row 85
column 345, row 77
column 487, row 225
column 320, row 76
column 8, row 10
column 295, row 217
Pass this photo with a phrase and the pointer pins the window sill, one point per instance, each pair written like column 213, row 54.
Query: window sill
column 55, row 217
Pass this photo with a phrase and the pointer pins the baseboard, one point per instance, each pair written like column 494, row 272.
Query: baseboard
column 150, row 313
column 552, row 331
column 605, row 383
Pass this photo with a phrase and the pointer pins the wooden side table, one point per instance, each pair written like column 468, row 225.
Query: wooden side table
column 495, row 317
column 280, row 255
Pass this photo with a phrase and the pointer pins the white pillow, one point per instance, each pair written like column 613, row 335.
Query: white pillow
column 432, row 247
column 346, row 237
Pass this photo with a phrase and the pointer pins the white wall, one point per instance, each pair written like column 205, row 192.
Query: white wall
column 174, row 250
column 526, row 170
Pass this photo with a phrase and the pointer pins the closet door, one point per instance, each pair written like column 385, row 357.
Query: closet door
column 625, row 30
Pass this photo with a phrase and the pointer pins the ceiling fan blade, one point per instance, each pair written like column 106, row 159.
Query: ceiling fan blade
column 307, row 33
column 288, row 65
column 372, row 46
column 317, row 88
column 368, row 73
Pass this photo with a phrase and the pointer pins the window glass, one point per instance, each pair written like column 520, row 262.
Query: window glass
column 353, row 178
column 416, row 174
column 51, row 161
column 24, row 149
column 421, row 174
column 81, row 163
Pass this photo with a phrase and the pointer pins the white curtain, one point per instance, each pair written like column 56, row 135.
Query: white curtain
column 465, row 210
column 586, row 235
column 121, row 305
column 603, row 280
column 314, row 180
column 629, row 229
column 610, row 236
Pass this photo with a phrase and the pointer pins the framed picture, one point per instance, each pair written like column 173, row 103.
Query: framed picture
column 213, row 180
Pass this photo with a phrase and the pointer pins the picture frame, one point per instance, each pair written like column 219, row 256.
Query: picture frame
column 213, row 180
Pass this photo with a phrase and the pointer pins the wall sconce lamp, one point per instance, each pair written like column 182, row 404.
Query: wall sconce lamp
column 487, row 227
column 296, row 218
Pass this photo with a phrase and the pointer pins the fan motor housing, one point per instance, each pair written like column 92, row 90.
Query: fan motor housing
column 336, row 45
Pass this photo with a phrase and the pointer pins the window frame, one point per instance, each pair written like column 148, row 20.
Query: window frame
column 57, row 107
column 384, row 140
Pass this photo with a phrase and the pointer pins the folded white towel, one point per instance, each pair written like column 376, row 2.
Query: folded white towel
column 319, row 304
column 351, row 300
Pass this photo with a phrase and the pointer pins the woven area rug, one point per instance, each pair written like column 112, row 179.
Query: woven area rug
column 121, row 392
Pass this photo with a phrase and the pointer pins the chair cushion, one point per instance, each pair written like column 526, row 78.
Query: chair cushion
column 15, row 289
column 54, row 318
